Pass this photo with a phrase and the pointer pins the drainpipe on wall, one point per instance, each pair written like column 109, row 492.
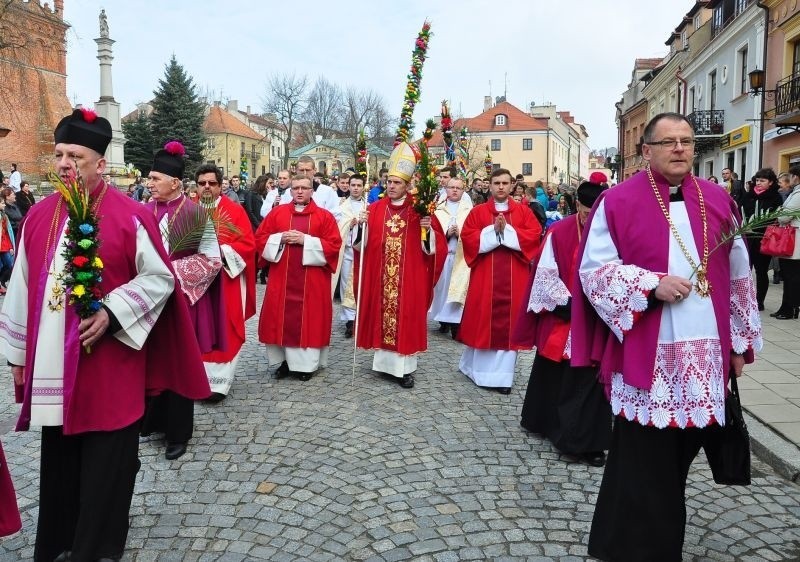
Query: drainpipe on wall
column 761, row 5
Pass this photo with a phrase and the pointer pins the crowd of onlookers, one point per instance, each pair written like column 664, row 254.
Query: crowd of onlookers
column 765, row 191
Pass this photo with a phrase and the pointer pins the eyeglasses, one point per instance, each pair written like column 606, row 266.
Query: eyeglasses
column 671, row 144
column 211, row 183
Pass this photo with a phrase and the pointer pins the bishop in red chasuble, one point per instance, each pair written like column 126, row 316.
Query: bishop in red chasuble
column 400, row 271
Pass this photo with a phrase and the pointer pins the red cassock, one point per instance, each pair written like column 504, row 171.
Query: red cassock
column 398, row 279
column 243, row 243
column 498, row 278
column 297, row 309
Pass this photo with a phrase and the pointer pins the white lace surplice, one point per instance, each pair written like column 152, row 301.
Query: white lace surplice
column 687, row 388
column 548, row 290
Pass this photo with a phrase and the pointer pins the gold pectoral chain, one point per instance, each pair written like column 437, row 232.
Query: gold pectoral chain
column 703, row 287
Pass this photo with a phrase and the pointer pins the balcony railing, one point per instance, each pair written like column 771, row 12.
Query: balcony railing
column 707, row 122
column 787, row 95
column 251, row 155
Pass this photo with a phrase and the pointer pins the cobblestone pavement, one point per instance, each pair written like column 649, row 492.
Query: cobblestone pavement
column 338, row 468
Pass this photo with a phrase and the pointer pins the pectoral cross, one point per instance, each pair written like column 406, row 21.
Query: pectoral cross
column 395, row 224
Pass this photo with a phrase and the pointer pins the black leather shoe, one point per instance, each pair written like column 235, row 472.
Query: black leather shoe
column 785, row 316
column 595, row 458
column 407, row 381
column 305, row 376
column 174, row 451
column 215, row 398
column 348, row 329
column 503, row 389
column 760, row 306
column 454, row 330
column 443, row 327
column 283, row 371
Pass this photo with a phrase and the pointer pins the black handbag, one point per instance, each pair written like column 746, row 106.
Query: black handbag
column 728, row 448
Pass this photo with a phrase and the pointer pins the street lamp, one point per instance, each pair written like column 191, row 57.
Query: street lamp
column 757, row 79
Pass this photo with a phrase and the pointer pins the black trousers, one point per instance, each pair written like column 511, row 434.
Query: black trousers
column 171, row 414
column 85, row 492
column 790, row 271
column 761, row 265
column 641, row 507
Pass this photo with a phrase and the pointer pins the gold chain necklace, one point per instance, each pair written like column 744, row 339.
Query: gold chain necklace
column 56, row 301
column 170, row 220
column 703, row 287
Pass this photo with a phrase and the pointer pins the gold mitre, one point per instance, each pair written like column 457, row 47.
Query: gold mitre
column 403, row 161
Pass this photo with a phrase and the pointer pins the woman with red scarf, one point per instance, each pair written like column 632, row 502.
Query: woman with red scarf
column 761, row 198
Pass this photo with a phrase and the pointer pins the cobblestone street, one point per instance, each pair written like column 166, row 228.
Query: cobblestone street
column 342, row 468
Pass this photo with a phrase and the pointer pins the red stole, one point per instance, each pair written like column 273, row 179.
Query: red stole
column 497, row 278
column 297, row 309
column 398, row 279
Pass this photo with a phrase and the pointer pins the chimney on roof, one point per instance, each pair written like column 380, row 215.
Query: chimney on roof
column 487, row 103
column 232, row 106
column 499, row 99
column 248, row 109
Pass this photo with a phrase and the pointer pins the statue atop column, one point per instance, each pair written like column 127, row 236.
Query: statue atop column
column 103, row 24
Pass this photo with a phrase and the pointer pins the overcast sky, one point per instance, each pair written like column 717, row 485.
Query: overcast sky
column 577, row 55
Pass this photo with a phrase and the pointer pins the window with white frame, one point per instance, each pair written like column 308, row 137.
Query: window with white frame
column 500, row 120
column 744, row 82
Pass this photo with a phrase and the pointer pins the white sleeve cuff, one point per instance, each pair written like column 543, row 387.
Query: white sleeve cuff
column 274, row 248
column 312, row 251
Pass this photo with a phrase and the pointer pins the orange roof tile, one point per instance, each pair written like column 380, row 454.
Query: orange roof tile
column 220, row 121
column 516, row 120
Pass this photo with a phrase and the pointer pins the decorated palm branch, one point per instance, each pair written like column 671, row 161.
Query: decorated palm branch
column 361, row 155
column 412, row 95
column 447, row 135
column 487, row 163
column 463, row 152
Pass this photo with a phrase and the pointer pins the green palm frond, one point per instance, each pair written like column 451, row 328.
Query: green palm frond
column 187, row 232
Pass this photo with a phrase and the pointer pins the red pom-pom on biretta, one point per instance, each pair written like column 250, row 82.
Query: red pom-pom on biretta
column 89, row 115
column 175, row 148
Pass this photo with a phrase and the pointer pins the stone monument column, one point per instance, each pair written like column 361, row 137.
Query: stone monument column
column 107, row 106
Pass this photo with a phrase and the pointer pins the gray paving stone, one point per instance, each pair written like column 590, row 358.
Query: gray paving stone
column 369, row 471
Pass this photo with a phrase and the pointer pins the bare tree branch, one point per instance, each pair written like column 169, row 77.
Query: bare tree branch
column 285, row 97
column 361, row 109
column 323, row 111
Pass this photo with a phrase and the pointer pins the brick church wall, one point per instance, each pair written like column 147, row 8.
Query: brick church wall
column 33, row 84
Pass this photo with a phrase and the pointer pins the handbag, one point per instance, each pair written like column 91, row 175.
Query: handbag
column 728, row 447
column 778, row 241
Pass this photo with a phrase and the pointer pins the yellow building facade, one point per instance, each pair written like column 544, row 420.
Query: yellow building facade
column 233, row 146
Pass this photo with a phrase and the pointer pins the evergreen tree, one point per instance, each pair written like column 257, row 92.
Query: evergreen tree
column 139, row 146
column 178, row 114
